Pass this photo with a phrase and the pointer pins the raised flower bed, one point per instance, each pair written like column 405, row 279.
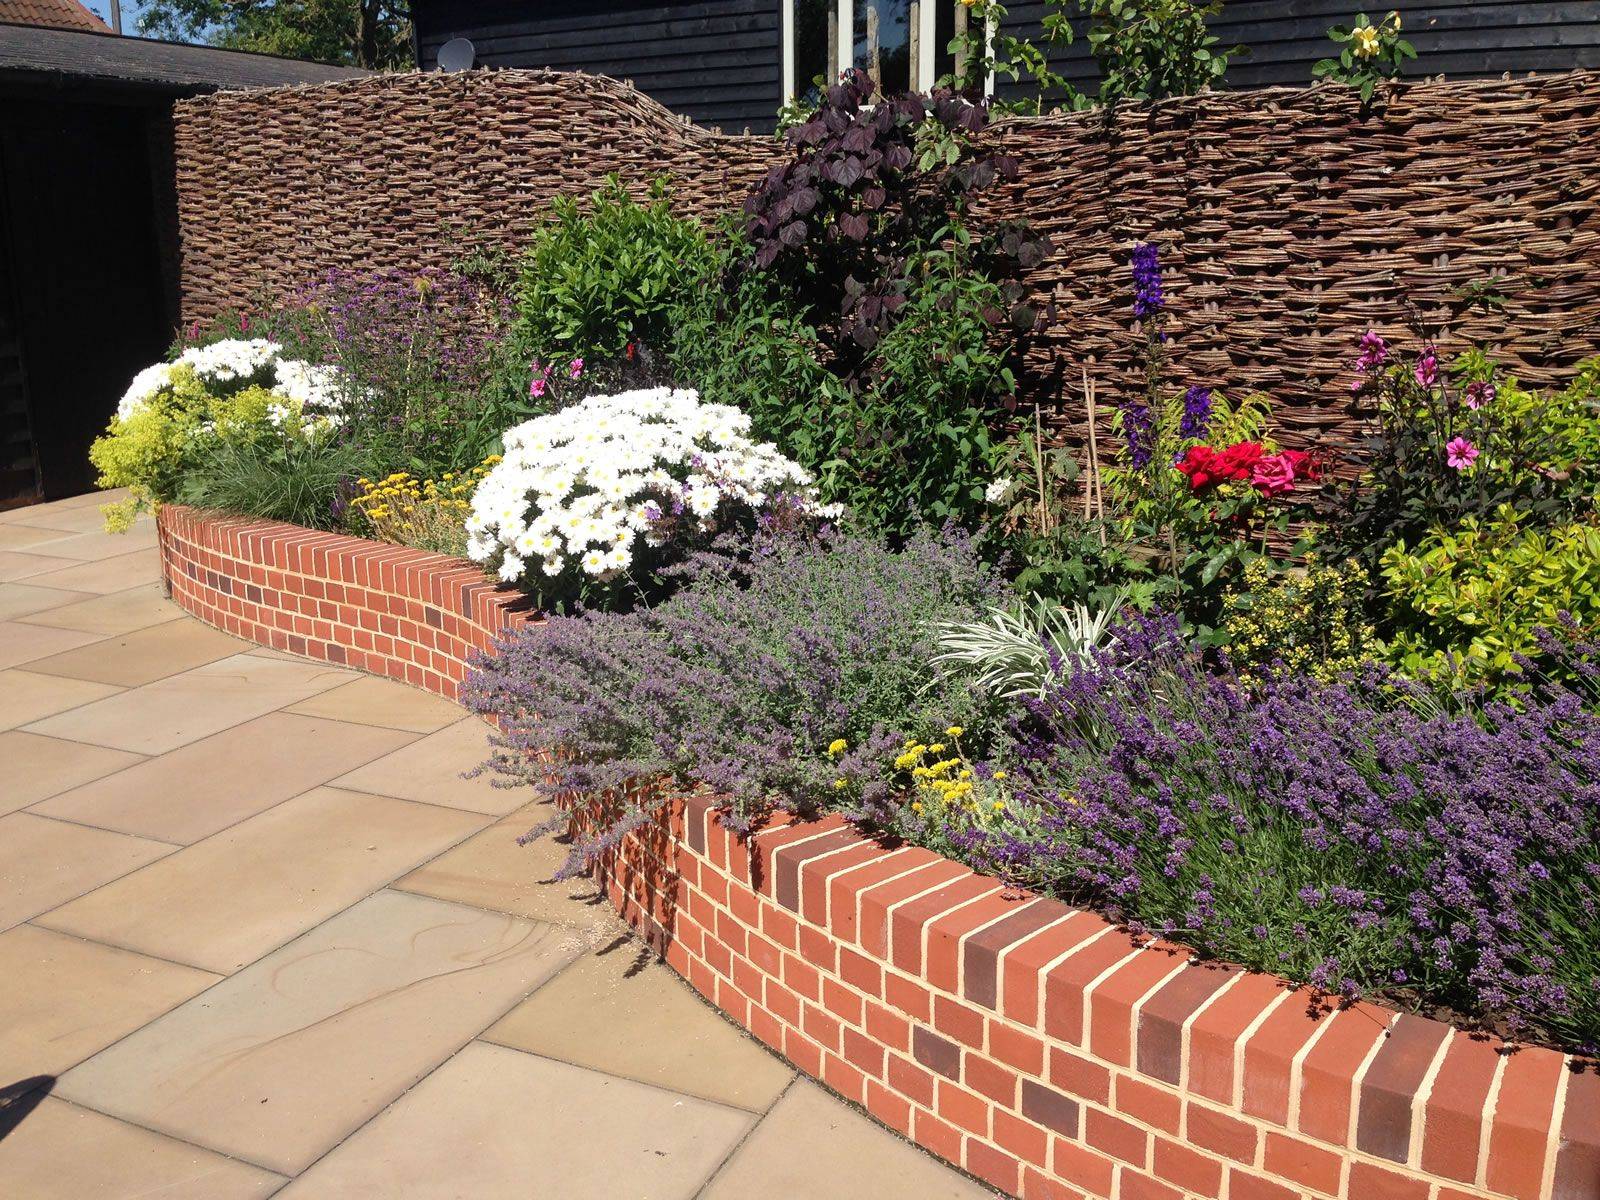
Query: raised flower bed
column 1033, row 1044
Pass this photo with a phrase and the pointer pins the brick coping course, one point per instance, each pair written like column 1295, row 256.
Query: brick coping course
column 1035, row 1045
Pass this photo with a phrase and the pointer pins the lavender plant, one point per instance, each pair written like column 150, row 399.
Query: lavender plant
column 1336, row 833
column 786, row 677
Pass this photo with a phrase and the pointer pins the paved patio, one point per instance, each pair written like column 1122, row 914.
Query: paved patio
column 258, row 937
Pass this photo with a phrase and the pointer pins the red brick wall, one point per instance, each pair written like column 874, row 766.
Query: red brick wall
column 1031, row 1043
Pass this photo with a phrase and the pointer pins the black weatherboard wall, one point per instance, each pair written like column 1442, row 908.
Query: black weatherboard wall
column 716, row 61
column 719, row 62
column 1463, row 39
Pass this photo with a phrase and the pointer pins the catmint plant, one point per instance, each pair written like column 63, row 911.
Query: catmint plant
column 786, row 675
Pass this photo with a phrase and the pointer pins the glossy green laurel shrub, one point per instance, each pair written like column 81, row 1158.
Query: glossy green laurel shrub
column 609, row 272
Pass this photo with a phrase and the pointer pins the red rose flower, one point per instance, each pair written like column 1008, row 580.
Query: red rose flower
column 1199, row 464
column 1238, row 461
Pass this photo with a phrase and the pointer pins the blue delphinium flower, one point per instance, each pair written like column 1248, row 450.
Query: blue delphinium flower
column 1147, row 297
column 1138, row 427
column 1196, row 413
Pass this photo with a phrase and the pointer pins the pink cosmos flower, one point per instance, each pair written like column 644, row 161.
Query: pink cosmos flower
column 1460, row 453
column 1427, row 371
column 1479, row 394
column 1374, row 351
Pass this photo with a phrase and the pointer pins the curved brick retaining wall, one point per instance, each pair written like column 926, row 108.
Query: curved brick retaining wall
column 1031, row 1043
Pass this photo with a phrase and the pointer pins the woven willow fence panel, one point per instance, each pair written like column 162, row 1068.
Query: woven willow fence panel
column 1289, row 221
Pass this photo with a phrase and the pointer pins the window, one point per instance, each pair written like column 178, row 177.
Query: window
column 902, row 44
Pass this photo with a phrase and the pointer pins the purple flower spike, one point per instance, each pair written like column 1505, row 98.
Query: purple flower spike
column 1147, row 295
column 1196, row 413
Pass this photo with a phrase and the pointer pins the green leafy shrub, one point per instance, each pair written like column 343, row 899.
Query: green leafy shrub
column 1371, row 54
column 739, row 344
column 1152, row 49
column 1309, row 621
column 1473, row 601
column 864, row 236
column 601, row 275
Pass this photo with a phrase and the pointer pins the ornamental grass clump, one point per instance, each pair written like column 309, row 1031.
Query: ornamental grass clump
column 788, row 676
column 1347, row 834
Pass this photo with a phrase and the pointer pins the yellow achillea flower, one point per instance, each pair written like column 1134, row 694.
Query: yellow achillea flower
column 837, row 747
column 426, row 514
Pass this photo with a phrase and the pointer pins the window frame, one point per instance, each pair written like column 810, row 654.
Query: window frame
column 924, row 14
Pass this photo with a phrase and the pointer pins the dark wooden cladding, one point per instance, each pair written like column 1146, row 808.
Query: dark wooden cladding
column 718, row 62
column 1463, row 39
column 1289, row 221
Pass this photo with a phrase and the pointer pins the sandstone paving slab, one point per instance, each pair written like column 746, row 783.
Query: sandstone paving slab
column 63, row 999
column 372, row 701
column 202, row 788
column 281, row 1062
column 497, row 1124
column 36, row 767
column 80, row 514
column 44, row 863
column 24, row 599
column 812, row 1145
column 490, row 870
column 143, row 656
column 106, row 615
column 173, row 712
column 121, row 612
column 16, row 536
column 625, row 1016
column 430, row 770
column 63, row 1152
column 225, row 901
column 105, row 575
column 26, row 696
column 89, row 546
column 19, row 564
column 21, row 643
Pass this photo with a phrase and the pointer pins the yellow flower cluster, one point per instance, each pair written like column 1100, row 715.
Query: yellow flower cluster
column 1310, row 619
column 428, row 514
column 942, row 783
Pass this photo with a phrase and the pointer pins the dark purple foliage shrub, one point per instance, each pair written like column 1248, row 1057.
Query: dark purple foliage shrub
column 1350, row 835
column 747, row 680
column 874, row 181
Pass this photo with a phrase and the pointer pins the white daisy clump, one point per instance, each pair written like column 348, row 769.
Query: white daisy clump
column 312, row 393
column 579, row 494
column 239, row 361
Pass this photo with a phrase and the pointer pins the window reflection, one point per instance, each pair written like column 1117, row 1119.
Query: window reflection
column 882, row 40
column 816, row 45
